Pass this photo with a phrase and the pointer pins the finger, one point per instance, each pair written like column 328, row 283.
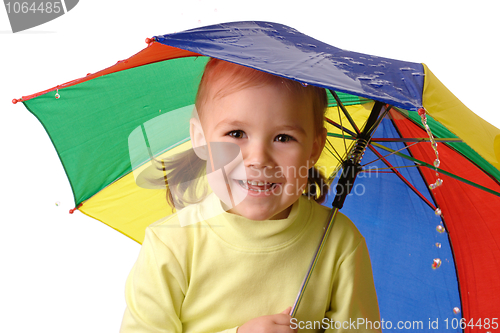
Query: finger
column 282, row 319
column 283, row 329
column 287, row 310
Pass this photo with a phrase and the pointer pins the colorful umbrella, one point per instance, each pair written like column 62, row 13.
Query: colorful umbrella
column 434, row 252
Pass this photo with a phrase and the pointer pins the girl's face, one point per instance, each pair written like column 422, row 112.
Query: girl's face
column 275, row 133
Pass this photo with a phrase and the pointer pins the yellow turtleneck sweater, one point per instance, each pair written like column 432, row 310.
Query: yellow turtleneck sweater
column 218, row 273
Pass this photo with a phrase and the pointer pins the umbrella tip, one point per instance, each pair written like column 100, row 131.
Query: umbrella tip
column 71, row 211
column 149, row 40
column 14, row 101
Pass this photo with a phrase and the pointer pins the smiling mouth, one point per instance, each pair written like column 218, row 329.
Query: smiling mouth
column 257, row 186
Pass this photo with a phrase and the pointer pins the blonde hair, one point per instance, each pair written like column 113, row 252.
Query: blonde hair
column 234, row 78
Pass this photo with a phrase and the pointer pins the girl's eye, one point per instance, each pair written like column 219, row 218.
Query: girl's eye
column 283, row 138
column 236, row 134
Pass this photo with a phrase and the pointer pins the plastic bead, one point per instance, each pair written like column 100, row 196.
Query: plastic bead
column 456, row 310
column 438, row 212
column 438, row 245
column 421, row 112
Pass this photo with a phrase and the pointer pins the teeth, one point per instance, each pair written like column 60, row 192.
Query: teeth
column 244, row 185
column 258, row 183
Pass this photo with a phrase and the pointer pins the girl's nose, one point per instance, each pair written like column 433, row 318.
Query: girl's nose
column 258, row 155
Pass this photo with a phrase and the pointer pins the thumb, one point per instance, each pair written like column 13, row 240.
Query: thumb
column 287, row 310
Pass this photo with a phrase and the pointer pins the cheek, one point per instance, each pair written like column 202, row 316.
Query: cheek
column 296, row 171
column 296, row 158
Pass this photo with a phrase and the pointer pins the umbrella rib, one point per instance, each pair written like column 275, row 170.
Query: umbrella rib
column 379, row 120
column 331, row 122
column 418, row 140
column 439, row 170
column 415, row 140
column 348, row 116
column 335, row 135
column 340, row 119
column 393, row 169
column 405, row 147
column 338, row 157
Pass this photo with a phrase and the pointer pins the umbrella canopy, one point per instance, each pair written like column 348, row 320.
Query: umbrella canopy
column 107, row 125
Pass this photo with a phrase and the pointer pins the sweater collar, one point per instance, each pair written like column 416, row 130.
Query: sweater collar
column 243, row 233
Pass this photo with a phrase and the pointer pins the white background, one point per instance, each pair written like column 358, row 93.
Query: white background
column 66, row 273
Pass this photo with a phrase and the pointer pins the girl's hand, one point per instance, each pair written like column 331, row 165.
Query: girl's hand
column 278, row 323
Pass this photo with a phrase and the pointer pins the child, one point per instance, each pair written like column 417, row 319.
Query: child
column 237, row 266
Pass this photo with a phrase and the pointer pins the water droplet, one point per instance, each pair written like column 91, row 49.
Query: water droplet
column 358, row 63
column 438, row 245
column 438, row 183
column 418, row 74
column 311, row 45
column 57, row 95
column 436, row 263
column 303, row 84
column 405, row 69
column 440, row 229
column 379, row 73
column 385, row 62
column 456, row 310
column 58, row 203
column 379, row 83
column 367, row 77
column 438, row 212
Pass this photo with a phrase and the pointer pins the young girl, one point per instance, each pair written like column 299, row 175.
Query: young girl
column 238, row 264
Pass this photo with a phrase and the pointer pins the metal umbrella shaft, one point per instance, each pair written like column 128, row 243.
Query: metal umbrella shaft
column 351, row 168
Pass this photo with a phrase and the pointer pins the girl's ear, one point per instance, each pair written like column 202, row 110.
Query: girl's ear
column 318, row 145
column 198, row 138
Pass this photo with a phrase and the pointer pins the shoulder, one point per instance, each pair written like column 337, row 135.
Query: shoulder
column 169, row 234
column 344, row 232
column 181, row 231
